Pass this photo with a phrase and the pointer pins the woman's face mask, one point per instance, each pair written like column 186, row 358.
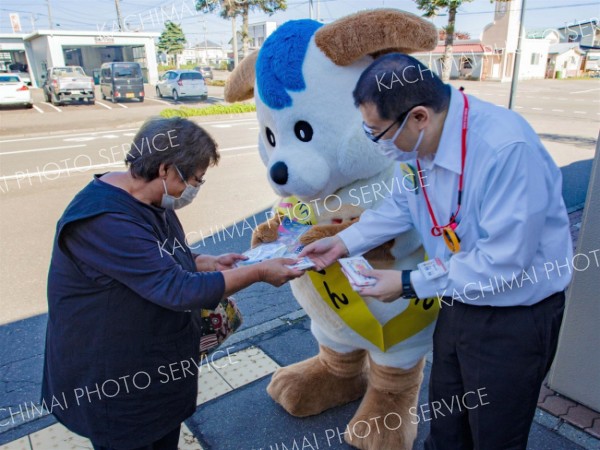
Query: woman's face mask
column 186, row 197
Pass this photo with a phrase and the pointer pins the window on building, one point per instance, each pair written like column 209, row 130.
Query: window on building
column 535, row 59
column 466, row 63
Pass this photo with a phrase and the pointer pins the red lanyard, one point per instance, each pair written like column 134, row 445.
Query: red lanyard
column 439, row 230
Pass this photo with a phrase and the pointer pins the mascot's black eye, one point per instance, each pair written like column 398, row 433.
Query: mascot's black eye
column 270, row 137
column 303, row 131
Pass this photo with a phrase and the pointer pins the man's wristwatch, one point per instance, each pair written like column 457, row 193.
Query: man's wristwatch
column 407, row 289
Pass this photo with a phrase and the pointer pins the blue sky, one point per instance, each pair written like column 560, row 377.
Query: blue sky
column 92, row 15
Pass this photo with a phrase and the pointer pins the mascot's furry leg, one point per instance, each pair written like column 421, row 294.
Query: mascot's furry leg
column 382, row 421
column 319, row 383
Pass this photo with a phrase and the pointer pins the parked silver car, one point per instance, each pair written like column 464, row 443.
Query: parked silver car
column 181, row 83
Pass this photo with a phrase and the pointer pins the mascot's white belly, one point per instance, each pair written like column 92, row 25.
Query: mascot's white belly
column 332, row 331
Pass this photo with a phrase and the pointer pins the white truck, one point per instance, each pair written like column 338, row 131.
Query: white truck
column 68, row 84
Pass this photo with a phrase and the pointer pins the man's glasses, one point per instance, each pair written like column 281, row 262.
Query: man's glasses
column 374, row 137
column 377, row 137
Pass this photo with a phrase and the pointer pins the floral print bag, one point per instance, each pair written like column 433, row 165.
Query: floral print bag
column 217, row 324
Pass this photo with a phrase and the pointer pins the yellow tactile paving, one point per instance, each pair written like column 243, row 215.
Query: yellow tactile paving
column 58, row 437
column 224, row 375
column 187, row 441
column 19, row 444
column 210, row 385
column 246, row 366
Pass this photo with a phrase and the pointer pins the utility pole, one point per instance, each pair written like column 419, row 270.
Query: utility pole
column 310, row 9
column 49, row 14
column 516, row 67
column 235, row 46
column 205, row 44
column 318, row 10
column 119, row 17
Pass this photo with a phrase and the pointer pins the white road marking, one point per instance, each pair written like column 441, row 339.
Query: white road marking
column 38, row 109
column 129, row 134
column 558, row 110
column 116, row 164
column 60, row 171
column 47, row 149
column 50, row 136
column 230, row 149
column 110, row 136
column 52, row 106
column 583, row 92
column 579, row 112
column 254, row 128
column 99, row 133
column 159, row 101
column 518, row 107
column 222, row 126
column 122, row 105
column 538, row 109
column 80, row 139
column 102, row 104
column 561, row 98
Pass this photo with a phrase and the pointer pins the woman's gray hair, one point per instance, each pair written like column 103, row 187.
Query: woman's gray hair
column 175, row 141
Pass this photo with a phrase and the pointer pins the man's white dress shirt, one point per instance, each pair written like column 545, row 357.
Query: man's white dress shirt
column 513, row 226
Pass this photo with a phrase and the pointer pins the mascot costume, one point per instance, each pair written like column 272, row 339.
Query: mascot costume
column 327, row 172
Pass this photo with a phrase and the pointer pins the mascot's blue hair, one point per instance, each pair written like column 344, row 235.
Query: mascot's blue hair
column 279, row 62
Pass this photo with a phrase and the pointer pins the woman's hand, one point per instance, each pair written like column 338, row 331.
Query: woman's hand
column 275, row 271
column 227, row 261
column 388, row 287
column 210, row 263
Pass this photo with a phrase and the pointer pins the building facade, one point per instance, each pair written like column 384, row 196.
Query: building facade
column 44, row 49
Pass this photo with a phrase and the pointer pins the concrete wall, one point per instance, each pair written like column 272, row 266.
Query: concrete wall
column 568, row 62
column 527, row 70
column 576, row 367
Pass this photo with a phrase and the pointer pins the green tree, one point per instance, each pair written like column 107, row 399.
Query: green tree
column 230, row 9
column 172, row 40
column 431, row 8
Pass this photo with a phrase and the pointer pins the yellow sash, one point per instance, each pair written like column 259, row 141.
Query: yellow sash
column 335, row 290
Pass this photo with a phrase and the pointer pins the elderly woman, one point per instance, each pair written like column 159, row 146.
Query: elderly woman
column 121, row 348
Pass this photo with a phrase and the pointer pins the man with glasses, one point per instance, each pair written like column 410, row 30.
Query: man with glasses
column 490, row 214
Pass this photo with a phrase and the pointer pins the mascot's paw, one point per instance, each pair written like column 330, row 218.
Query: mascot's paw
column 266, row 232
column 319, row 383
column 382, row 420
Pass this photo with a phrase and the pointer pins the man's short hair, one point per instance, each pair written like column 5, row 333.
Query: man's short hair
column 395, row 83
column 175, row 141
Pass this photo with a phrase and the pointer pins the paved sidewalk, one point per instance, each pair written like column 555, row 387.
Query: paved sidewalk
column 235, row 412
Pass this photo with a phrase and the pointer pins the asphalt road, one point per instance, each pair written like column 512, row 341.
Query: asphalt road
column 45, row 173
column 40, row 172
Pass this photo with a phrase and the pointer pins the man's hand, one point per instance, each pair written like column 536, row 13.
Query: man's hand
column 210, row 263
column 325, row 252
column 388, row 287
column 275, row 271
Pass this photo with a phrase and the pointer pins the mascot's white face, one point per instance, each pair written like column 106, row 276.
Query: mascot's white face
column 311, row 137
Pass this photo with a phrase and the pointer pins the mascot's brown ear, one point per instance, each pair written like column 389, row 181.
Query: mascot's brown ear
column 240, row 84
column 375, row 33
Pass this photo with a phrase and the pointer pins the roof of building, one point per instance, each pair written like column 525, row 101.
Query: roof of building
column 541, row 33
column 576, row 24
column 106, row 34
column 564, row 47
column 471, row 46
